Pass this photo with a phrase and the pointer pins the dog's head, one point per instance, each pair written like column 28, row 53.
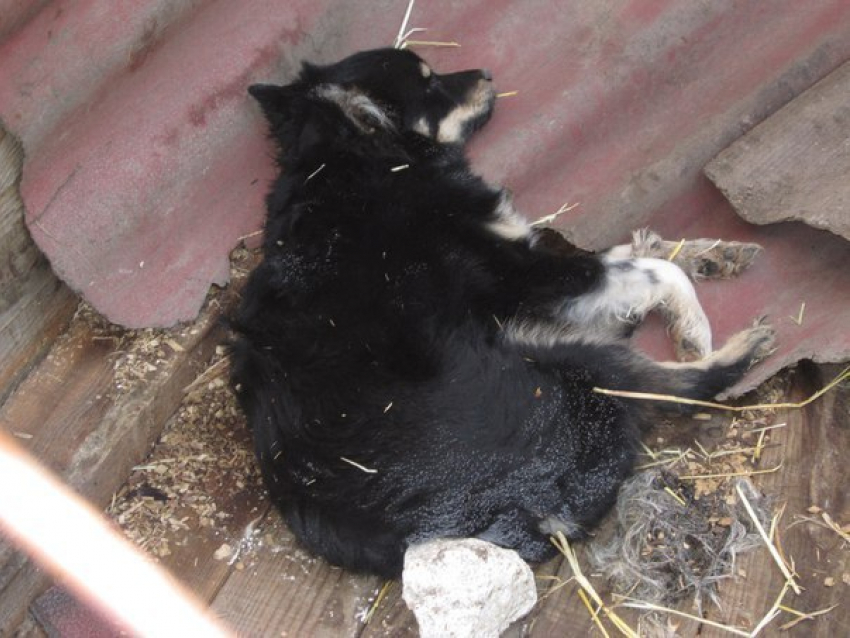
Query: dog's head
column 379, row 93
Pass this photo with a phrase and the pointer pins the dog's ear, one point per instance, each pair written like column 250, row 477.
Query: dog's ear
column 357, row 107
column 282, row 102
column 297, row 121
column 276, row 101
column 304, row 120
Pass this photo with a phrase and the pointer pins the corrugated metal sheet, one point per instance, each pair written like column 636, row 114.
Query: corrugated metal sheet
column 146, row 161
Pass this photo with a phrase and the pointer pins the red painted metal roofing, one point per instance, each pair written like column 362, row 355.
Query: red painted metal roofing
column 145, row 160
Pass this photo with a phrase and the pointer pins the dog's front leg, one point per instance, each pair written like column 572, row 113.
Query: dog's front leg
column 699, row 258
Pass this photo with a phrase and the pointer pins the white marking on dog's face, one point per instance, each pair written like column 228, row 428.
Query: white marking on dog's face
column 425, row 69
column 452, row 128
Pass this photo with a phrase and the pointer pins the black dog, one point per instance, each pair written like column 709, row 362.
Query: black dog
column 417, row 362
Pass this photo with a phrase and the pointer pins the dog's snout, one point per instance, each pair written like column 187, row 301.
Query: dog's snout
column 486, row 74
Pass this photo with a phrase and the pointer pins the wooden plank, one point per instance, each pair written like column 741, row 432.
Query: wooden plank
column 391, row 617
column 59, row 614
column 273, row 587
column 283, row 591
column 199, row 490
column 34, row 305
column 813, row 448
column 795, row 164
column 31, row 628
column 196, row 492
column 91, row 410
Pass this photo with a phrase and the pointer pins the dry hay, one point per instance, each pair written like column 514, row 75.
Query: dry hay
column 680, row 521
column 200, row 466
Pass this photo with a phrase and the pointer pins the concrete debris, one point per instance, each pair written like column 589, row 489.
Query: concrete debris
column 466, row 587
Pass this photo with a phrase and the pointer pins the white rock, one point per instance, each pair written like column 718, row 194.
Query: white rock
column 460, row 588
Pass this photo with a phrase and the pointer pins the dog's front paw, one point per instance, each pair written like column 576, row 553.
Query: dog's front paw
column 699, row 258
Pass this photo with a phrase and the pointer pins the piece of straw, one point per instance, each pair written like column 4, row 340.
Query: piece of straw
column 773, row 612
column 378, row 599
column 799, row 318
column 676, row 250
column 676, row 496
column 801, row 616
column 368, row 470
column 594, row 613
column 427, row 43
column 400, row 38
column 770, row 546
column 694, row 477
column 633, row 603
column 560, row 541
column 650, row 396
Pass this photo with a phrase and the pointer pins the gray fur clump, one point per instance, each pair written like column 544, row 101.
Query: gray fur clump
column 664, row 552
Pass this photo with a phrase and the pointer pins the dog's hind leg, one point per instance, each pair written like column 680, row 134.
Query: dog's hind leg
column 699, row 258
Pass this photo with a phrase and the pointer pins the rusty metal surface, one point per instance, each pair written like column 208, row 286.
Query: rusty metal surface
column 146, row 161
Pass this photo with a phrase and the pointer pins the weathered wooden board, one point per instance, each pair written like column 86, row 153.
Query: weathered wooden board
column 272, row 587
column 90, row 425
column 31, row 628
column 796, row 164
column 195, row 495
column 34, row 305
column 283, row 591
column 391, row 617
column 815, row 474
